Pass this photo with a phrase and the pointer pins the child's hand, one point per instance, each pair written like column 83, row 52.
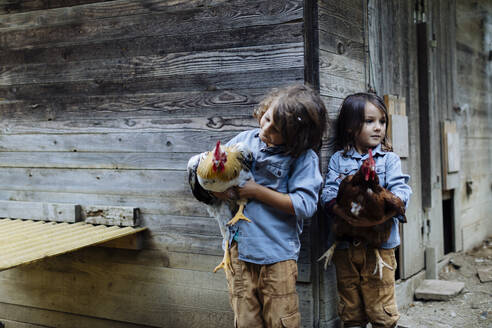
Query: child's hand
column 248, row 190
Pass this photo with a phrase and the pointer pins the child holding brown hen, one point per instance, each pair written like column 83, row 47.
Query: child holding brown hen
column 361, row 138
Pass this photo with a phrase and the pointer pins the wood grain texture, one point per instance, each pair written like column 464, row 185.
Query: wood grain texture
column 22, row 6
column 79, row 28
column 103, row 102
column 49, row 318
column 40, row 211
column 245, row 59
column 265, row 79
column 175, row 104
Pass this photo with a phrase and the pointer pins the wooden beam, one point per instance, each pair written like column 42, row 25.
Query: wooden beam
column 111, row 215
column 40, row 211
column 133, row 241
column 397, row 124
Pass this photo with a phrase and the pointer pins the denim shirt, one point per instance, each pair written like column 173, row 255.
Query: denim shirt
column 273, row 235
column 388, row 169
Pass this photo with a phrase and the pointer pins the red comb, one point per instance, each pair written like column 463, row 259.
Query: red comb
column 217, row 150
column 369, row 164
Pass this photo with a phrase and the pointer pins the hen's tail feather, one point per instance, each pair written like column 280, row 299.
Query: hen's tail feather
column 394, row 203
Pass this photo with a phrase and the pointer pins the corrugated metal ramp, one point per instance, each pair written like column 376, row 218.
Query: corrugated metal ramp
column 25, row 241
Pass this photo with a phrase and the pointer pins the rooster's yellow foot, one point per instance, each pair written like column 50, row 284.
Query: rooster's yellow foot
column 239, row 216
column 226, row 263
column 380, row 264
column 328, row 255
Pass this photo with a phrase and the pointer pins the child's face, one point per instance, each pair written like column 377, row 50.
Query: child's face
column 269, row 133
column 373, row 129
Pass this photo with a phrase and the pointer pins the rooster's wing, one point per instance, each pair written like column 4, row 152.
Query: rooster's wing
column 198, row 191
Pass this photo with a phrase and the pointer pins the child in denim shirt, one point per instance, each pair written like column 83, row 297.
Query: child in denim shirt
column 287, row 180
column 364, row 297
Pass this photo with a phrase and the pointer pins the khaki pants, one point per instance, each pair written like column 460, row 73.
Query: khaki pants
column 263, row 295
column 363, row 296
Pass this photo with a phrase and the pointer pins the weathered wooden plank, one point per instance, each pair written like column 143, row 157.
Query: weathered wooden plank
column 75, row 11
column 183, row 225
column 18, row 6
column 122, row 216
column 175, row 104
column 340, row 27
column 186, row 243
column 49, row 318
column 40, row 211
column 112, row 296
column 332, row 105
column 341, row 46
column 223, row 61
column 334, row 86
column 125, row 268
column 133, row 241
column 83, row 160
column 145, row 258
column 306, row 306
column 341, row 66
column 470, row 24
column 173, row 205
column 160, row 44
column 265, row 79
column 375, row 47
column 125, row 142
column 116, row 182
column 17, row 324
column 349, row 10
column 236, row 123
column 236, row 14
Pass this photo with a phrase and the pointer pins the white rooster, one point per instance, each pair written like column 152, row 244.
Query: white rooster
column 217, row 171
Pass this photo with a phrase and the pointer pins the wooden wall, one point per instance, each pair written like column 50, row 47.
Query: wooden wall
column 392, row 69
column 103, row 102
column 456, row 43
column 342, row 60
column 473, row 116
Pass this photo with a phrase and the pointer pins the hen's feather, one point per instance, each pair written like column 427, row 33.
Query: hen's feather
column 218, row 171
column 372, row 202
column 198, row 191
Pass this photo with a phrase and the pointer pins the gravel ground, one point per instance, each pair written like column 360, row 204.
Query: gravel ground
column 472, row 308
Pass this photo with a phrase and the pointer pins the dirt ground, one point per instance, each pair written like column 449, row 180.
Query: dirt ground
column 472, row 308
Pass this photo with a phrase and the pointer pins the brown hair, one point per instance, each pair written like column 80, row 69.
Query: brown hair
column 299, row 115
column 351, row 119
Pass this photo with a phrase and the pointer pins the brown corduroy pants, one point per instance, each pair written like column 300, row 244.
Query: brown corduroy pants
column 364, row 297
column 263, row 295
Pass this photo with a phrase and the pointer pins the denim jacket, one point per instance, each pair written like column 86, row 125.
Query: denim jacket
column 273, row 235
column 388, row 169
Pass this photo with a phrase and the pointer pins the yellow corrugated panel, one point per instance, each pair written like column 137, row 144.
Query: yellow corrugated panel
column 25, row 241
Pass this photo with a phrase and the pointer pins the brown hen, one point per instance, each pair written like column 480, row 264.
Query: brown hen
column 360, row 196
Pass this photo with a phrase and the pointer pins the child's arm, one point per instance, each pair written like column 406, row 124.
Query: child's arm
column 278, row 200
column 304, row 183
column 396, row 181
column 332, row 183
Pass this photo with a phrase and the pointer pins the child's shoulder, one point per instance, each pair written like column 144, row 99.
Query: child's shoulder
column 245, row 136
column 341, row 156
column 390, row 156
